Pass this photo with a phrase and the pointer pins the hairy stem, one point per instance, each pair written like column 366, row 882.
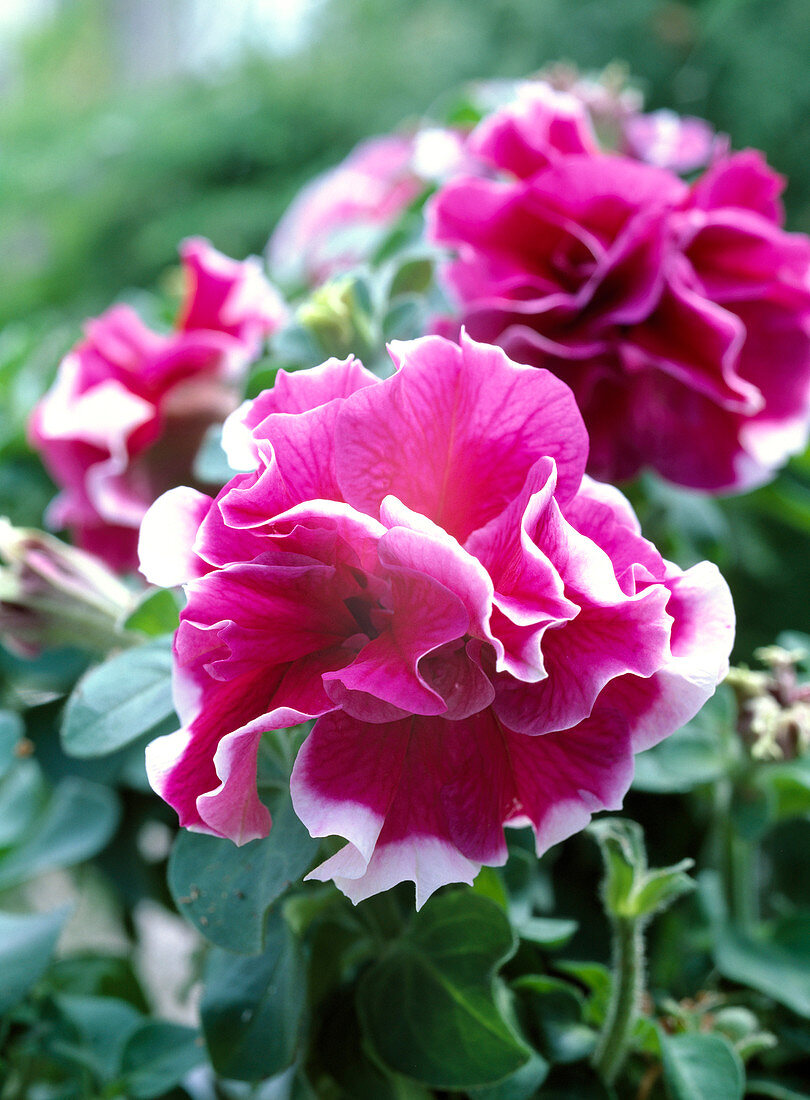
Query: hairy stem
column 628, row 980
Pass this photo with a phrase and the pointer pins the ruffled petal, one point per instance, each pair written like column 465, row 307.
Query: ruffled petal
column 456, row 415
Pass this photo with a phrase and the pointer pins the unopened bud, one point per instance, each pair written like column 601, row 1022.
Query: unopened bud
column 52, row 594
column 334, row 315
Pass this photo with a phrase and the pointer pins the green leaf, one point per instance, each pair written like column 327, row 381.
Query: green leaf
column 428, row 1008
column 788, row 784
column 211, row 465
column 776, row 961
column 757, row 1086
column 752, row 810
column 102, row 1025
column 98, row 976
column 598, row 981
column 158, row 1056
column 621, row 843
column 403, row 320
column 156, row 613
column 121, row 700
column 27, row 942
column 414, row 276
column 520, row 1085
column 76, row 824
column 660, row 888
column 23, row 792
column 701, row 1067
column 630, row 889
column 252, row 1007
column 557, row 1010
column 548, row 932
column 226, row 890
column 341, row 1053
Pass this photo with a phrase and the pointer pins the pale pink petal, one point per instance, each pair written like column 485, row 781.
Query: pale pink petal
column 167, row 534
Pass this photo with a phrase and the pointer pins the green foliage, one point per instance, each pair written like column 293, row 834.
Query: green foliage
column 252, row 1008
column 157, row 1056
column 225, row 890
column 121, row 700
column 27, row 943
column 76, row 822
column 428, row 1007
column 631, row 890
column 701, row 1067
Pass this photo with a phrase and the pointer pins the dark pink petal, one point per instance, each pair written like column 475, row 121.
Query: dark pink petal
column 563, row 778
column 743, row 180
column 603, row 514
column 697, row 342
column 424, row 615
column 740, row 257
column 456, row 414
column 413, row 542
column 529, row 590
column 423, row 800
column 207, row 771
column 427, row 799
column 228, row 296
column 275, row 609
column 525, row 135
column 603, row 642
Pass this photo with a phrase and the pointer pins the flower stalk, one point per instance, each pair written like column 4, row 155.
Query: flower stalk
column 632, row 895
column 623, row 1009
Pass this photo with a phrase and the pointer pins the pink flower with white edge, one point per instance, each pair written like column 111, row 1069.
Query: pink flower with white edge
column 678, row 314
column 338, row 220
column 129, row 407
column 480, row 633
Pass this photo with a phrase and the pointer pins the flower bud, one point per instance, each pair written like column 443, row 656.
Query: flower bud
column 52, row 594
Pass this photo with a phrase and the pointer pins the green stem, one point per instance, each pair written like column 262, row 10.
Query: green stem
column 628, row 979
column 738, row 862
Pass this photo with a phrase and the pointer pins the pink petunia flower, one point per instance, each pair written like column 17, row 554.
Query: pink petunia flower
column 679, row 315
column 481, row 633
column 338, row 220
column 129, row 407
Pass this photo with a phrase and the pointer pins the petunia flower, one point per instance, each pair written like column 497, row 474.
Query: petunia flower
column 129, row 407
column 679, row 314
column 481, row 634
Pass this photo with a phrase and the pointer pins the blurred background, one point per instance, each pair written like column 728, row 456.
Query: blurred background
column 126, row 125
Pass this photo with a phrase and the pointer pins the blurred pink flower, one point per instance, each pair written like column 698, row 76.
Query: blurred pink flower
column 482, row 634
column 681, row 143
column 339, row 219
column 679, row 315
column 129, row 407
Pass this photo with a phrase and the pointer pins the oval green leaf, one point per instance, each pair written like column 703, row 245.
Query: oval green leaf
column 121, row 700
